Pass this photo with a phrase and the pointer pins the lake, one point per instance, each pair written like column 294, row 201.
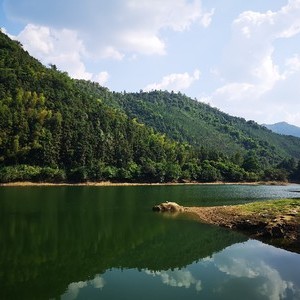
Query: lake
column 85, row 242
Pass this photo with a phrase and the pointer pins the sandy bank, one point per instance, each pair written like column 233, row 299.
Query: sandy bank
column 109, row 183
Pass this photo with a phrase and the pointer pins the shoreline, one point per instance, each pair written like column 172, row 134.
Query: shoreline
column 276, row 222
column 109, row 183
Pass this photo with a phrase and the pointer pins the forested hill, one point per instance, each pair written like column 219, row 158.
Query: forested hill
column 51, row 130
column 186, row 120
column 54, row 128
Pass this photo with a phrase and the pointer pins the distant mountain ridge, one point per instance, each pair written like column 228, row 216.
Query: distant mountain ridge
column 284, row 128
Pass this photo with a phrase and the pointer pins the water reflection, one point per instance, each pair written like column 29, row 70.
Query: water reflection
column 74, row 288
column 249, row 270
column 91, row 243
column 51, row 237
column 177, row 278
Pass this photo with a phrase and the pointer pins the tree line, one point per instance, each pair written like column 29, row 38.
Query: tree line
column 54, row 129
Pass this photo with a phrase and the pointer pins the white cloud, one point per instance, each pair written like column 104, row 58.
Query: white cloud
column 143, row 42
column 177, row 15
column 263, row 76
column 207, row 18
column 101, row 78
column 74, row 288
column 250, row 67
column 272, row 285
column 37, row 39
column 175, row 82
column 238, row 267
column 178, row 278
column 248, row 261
column 293, row 118
column 111, row 52
column 98, row 282
column 235, row 91
column 116, row 27
column 69, row 34
column 62, row 48
column 292, row 65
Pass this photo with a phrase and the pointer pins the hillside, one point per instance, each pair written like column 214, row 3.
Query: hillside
column 186, row 120
column 284, row 128
column 51, row 131
column 54, row 128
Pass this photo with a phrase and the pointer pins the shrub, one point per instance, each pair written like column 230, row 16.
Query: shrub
column 31, row 173
column 48, row 174
column 19, row 173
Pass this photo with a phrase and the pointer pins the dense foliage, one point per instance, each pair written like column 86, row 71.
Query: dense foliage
column 53, row 128
column 187, row 120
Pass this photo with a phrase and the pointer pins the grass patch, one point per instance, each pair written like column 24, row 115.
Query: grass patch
column 271, row 208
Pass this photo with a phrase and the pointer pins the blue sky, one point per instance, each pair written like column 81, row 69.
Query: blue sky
column 242, row 57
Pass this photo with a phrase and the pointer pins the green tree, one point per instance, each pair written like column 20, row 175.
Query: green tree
column 251, row 163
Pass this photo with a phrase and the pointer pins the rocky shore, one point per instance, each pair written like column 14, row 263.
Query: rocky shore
column 276, row 221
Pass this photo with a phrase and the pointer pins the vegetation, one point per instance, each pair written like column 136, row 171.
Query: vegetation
column 54, row 128
column 274, row 221
column 272, row 208
column 187, row 120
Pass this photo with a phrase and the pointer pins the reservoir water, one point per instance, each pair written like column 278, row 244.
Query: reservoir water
column 84, row 242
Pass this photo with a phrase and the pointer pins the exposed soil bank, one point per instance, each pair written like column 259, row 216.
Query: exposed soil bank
column 276, row 221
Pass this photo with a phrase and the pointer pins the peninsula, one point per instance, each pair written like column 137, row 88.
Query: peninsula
column 276, row 222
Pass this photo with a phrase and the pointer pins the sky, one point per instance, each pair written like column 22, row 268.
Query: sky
column 242, row 57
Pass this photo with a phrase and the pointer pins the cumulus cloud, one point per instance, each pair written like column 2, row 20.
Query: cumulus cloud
column 175, row 82
column 250, row 67
column 270, row 283
column 248, row 261
column 207, row 18
column 178, row 278
column 101, row 78
column 74, row 288
column 62, row 48
column 69, row 34
column 113, row 27
column 98, row 282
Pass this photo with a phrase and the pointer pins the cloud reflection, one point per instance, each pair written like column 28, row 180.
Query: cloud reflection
column 177, row 278
column 75, row 287
column 249, row 264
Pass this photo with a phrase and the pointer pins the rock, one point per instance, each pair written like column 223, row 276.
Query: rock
column 277, row 232
column 168, row 207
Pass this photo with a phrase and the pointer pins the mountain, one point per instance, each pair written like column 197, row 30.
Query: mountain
column 55, row 128
column 186, row 120
column 50, row 130
column 284, row 128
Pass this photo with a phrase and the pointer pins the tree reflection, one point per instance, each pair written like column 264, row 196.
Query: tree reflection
column 53, row 237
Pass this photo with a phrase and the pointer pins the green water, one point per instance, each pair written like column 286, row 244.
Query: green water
column 106, row 243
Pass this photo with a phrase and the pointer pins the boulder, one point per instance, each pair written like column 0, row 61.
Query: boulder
column 168, row 207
